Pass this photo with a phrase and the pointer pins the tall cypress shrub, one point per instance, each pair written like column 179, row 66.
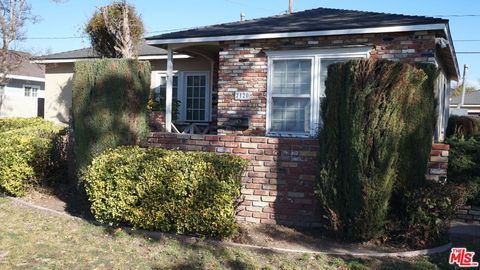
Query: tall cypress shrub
column 109, row 106
column 364, row 127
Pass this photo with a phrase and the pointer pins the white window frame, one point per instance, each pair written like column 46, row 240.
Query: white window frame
column 315, row 95
column 182, row 95
column 31, row 93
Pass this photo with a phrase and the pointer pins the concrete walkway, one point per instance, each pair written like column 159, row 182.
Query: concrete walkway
column 464, row 229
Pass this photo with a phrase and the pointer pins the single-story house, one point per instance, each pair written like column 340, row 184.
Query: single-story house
column 471, row 104
column 59, row 75
column 22, row 94
column 253, row 88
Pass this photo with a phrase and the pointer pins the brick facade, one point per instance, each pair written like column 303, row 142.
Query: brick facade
column 243, row 67
column 278, row 187
column 438, row 162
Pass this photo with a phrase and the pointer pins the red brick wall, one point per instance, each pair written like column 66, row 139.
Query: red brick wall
column 438, row 162
column 278, row 187
column 243, row 67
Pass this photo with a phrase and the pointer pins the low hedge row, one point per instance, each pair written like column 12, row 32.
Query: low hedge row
column 170, row 191
column 27, row 153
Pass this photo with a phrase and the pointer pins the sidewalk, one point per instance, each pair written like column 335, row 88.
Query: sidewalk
column 464, row 229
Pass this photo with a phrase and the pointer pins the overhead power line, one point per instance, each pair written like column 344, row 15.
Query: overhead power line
column 455, row 15
column 468, row 52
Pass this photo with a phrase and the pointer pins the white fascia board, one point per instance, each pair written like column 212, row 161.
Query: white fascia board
column 465, row 106
column 72, row 60
column 25, row 78
column 371, row 30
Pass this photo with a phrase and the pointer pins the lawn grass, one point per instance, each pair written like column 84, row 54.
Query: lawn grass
column 32, row 239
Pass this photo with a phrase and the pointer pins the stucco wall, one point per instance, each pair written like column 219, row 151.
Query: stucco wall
column 18, row 106
column 13, row 102
column 59, row 84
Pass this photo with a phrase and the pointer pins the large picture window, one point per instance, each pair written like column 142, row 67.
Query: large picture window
column 296, row 86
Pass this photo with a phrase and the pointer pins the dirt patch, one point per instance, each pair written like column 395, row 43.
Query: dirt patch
column 289, row 238
column 63, row 199
column 264, row 235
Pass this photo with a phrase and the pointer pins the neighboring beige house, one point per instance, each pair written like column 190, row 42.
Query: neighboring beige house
column 59, row 75
column 22, row 95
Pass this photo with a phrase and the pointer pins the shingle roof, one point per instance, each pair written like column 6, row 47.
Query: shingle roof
column 319, row 19
column 471, row 98
column 23, row 67
column 145, row 50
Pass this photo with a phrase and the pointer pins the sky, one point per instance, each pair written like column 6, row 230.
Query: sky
column 61, row 24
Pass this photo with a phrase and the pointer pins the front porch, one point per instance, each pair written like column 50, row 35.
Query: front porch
column 185, row 97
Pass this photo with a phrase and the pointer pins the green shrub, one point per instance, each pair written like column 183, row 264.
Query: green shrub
column 464, row 165
column 7, row 124
column 170, row 191
column 27, row 154
column 365, row 125
column 463, row 126
column 428, row 211
column 109, row 106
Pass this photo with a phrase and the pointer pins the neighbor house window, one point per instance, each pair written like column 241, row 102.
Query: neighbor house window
column 296, row 85
column 31, row 91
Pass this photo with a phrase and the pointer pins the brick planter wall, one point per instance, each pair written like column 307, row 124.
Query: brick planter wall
column 438, row 163
column 278, row 187
column 469, row 214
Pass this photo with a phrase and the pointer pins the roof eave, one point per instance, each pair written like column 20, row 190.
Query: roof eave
column 351, row 31
column 72, row 60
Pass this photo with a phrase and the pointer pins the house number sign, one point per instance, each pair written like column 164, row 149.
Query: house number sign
column 241, row 95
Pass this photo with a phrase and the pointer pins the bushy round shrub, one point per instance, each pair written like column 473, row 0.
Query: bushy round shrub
column 26, row 153
column 170, row 191
column 428, row 211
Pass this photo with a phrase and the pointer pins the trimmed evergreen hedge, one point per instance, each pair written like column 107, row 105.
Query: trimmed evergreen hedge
column 170, row 191
column 28, row 153
column 378, row 120
column 109, row 105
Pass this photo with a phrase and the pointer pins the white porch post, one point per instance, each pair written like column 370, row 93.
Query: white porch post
column 168, row 103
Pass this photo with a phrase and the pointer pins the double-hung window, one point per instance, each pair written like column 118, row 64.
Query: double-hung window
column 296, row 85
column 30, row 90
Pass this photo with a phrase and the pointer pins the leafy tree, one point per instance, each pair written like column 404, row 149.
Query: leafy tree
column 13, row 17
column 458, row 90
column 116, row 30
